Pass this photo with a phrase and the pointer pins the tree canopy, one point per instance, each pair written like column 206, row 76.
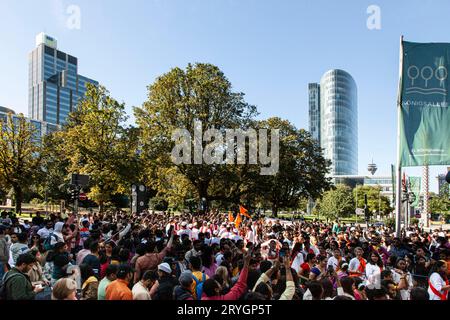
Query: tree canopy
column 20, row 155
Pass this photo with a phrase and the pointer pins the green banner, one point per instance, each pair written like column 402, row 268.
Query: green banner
column 415, row 188
column 424, row 98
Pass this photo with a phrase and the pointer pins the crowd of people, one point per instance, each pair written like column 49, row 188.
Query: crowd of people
column 212, row 256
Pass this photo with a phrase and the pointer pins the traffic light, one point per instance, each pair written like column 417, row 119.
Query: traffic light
column 139, row 198
column 74, row 194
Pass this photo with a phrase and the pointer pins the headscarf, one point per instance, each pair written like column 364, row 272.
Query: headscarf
column 59, row 226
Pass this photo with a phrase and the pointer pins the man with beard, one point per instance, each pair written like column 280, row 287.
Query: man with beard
column 438, row 282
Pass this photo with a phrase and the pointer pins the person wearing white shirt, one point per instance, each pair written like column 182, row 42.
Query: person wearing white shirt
column 194, row 232
column 373, row 271
column 250, row 235
column 355, row 266
column 215, row 238
column 171, row 223
column 223, row 229
column 438, row 285
column 297, row 262
column 184, row 230
column 401, row 273
column 335, row 259
column 141, row 290
column 57, row 234
column 227, row 234
column 45, row 231
column 235, row 235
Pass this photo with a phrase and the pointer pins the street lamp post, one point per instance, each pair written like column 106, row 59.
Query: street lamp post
column 356, row 214
column 379, row 203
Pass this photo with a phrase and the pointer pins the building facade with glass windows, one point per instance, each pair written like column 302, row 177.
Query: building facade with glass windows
column 314, row 110
column 382, row 182
column 42, row 128
column 443, row 185
column 55, row 87
column 339, row 121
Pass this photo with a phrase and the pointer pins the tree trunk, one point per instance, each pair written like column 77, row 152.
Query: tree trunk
column 274, row 210
column 202, row 189
column 19, row 198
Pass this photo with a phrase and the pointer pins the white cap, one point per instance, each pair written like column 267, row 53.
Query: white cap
column 190, row 225
column 165, row 267
column 184, row 224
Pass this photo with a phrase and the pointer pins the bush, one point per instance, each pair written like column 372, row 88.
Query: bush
column 414, row 221
column 35, row 201
column 158, row 204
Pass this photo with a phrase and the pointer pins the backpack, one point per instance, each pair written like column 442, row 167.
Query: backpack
column 48, row 242
column 199, row 286
column 3, row 293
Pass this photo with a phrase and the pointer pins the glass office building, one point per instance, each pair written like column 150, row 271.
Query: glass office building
column 339, row 121
column 314, row 110
column 41, row 127
column 382, row 182
column 55, row 87
column 443, row 186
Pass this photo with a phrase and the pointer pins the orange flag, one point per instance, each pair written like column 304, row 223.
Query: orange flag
column 238, row 221
column 230, row 217
column 244, row 212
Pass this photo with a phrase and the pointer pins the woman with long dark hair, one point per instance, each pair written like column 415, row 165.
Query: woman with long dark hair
column 297, row 256
column 374, row 267
column 420, row 272
column 209, row 264
column 402, row 278
column 438, row 284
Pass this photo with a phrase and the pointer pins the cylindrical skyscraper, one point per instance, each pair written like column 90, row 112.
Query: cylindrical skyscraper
column 339, row 121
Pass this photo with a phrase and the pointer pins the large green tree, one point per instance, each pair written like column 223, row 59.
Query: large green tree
column 20, row 155
column 54, row 179
column 439, row 204
column 302, row 168
column 375, row 201
column 337, row 202
column 97, row 142
column 176, row 100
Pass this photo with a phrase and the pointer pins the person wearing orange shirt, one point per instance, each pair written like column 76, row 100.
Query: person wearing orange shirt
column 118, row 289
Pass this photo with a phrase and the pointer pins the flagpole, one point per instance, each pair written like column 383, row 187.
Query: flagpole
column 398, row 198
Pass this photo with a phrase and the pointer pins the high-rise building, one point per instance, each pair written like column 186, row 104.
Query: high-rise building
column 55, row 87
column 314, row 110
column 333, row 109
column 41, row 127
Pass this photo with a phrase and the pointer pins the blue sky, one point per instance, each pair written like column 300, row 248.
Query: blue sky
column 269, row 50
